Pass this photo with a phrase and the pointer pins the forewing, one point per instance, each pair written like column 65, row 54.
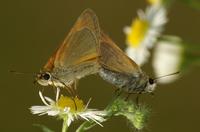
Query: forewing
column 114, row 59
column 80, row 46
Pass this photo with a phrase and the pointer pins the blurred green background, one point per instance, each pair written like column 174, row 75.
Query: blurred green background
column 32, row 29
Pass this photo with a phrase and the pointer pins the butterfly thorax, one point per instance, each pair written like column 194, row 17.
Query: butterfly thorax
column 137, row 82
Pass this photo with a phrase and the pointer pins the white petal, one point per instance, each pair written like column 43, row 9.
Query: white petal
column 96, row 116
column 53, row 112
column 126, row 30
column 141, row 14
column 85, row 118
column 156, row 16
column 39, row 109
column 42, row 98
column 57, row 93
column 70, row 119
column 139, row 55
column 88, row 103
column 51, row 101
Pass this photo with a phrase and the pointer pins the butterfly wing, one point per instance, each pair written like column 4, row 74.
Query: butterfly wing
column 114, row 59
column 77, row 55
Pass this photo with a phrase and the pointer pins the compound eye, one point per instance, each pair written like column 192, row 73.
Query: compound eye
column 151, row 81
column 46, row 76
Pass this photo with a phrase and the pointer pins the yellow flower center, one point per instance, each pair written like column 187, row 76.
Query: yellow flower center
column 137, row 32
column 154, row 2
column 74, row 104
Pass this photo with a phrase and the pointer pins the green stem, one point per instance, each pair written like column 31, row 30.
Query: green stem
column 85, row 126
column 64, row 126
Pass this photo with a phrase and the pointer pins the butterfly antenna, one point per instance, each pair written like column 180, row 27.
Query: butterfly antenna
column 21, row 73
column 171, row 74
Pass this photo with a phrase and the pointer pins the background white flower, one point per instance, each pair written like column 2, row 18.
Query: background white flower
column 144, row 31
column 168, row 57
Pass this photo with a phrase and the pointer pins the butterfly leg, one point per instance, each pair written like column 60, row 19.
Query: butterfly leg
column 74, row 103
column 74, row 93
column 137, row 98
column 118, row 92
column 128, row 95
column 73, row 87
column 152, row 94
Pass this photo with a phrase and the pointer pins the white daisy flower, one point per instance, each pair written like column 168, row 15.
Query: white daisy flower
column 144, row 31
column 68, row 109
column 168, row 57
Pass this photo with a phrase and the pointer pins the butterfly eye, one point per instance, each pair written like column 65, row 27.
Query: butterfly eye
column 46, row 76
column 151, row 81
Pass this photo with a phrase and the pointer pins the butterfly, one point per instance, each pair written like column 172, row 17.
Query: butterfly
column 87, row 50
column 76, row 57
column 121, row 71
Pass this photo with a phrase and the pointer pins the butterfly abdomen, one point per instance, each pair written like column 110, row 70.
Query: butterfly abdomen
column 129, row 83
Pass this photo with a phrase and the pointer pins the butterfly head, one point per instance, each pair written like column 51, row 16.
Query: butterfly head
column 152, row 82
column 151, row 85
column 44, row 78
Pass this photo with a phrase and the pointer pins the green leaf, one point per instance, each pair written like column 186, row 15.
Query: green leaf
column 43, row 128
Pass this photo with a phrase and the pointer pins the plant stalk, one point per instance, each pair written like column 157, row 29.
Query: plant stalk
column 64, row 126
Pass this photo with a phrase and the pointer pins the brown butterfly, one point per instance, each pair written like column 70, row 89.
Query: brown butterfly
column 77, row 55
column 87, row 50
column 121, row 71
